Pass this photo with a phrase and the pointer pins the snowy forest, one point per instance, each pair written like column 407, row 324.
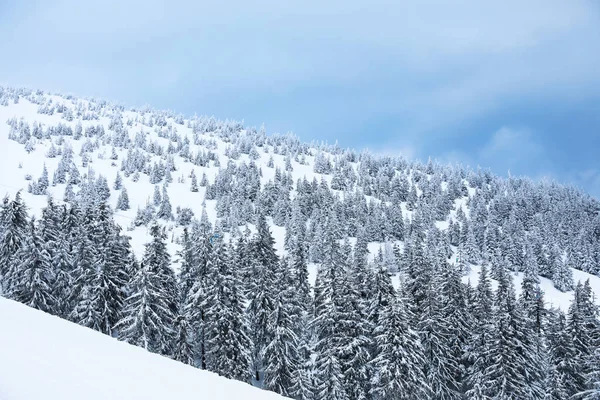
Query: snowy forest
column 196, row 239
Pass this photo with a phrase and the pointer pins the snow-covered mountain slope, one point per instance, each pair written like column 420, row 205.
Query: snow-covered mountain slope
column 42, row 126
column 553, row 296
column 58, row 360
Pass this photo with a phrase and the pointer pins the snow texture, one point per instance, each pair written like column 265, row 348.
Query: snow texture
column 58, row 360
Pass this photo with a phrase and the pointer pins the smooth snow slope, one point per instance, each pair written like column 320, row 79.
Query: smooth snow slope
column 45, row 357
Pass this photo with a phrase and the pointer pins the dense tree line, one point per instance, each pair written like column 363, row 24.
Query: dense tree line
column 240, row 310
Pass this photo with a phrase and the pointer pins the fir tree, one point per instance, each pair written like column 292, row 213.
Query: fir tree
column 281, row 355
column 262, row 302
column 229, row 346
column 147, row 317
column 156, row 197
column 506, row 376
column 194, row 183
column 13, row 229
column 33, row 278
column 123, row 200
column 63, row 274
column 165, row 209
column 150, row 310
column 400, row 362
column 118, row 182
column 183, row 350
column 565, row 374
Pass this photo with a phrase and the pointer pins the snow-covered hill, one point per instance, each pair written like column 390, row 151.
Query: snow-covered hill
column 45, row 357
column 339, row 219
column 41, row 126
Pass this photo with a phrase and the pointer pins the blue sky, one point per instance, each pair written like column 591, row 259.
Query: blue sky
column 511, row 86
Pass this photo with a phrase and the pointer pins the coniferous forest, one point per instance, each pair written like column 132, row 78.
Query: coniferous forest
column 398, row 324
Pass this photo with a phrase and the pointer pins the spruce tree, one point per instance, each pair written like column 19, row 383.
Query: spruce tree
column 156, row 197
column 147, row 318
column 183, row 350
column 194, row 182
column 400, row 362
column 118, row 182
column 329, row 320
column 481, row 336
column 228, row 344
column 32, row 277
column 104, row 276
column 13, row 229
column 565, row 373
column 506, row 375
column 123, row 200
column 262, row 302
column 165, row 210
column 441, row 363
column 63, row 275
column 281, row 355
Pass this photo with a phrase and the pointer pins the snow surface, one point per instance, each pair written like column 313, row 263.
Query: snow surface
column 552, row 296
column 45, row 357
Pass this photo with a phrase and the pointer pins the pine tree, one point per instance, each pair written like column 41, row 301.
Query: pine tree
column 555, row 386
column 13, row 229
column 435, row 330
column 355, row 333
column 592, row 378
column 183, row 350
column 299, row 270
column 565, row 373
column 147, row 318
column 123, row 200
column 481, row 337
column 194, row 183
column 156, row 197
column 150, row 310
column 562, row 275
column 103, row 274
column 584, row 329
column 63, row 274
column 281, row 355
column 43, row 182
column 262, row 302
column 118, row 182
column 33, row 278
column 229, row 346
column 459, row 327
column 506, row 375
column 531, row 302
column 329, row 319
column 164, row 209
column 195, row 254
column 400, row 362
column 418, row 280
column 188, row 269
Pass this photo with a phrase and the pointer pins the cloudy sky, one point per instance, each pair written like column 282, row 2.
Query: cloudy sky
column 511, row 86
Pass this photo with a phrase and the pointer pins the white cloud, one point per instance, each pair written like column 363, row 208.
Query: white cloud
column 406, row 151
column 510, row 148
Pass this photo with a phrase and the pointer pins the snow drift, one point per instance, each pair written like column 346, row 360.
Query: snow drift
column 45, row 357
